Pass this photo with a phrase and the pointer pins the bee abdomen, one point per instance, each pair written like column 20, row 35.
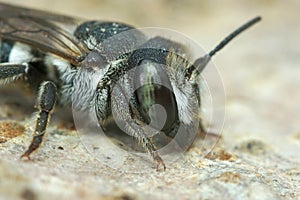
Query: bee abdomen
column 17, row 53
column 5, row 49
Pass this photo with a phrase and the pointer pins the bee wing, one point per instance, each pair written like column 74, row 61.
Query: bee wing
column 42, row 30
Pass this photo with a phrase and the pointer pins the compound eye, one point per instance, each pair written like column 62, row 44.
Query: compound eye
column 155, row 97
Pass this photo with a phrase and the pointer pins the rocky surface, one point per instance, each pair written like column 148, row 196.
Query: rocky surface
column 257, row 156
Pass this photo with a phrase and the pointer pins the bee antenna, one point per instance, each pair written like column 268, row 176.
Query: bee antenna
column 200, row 63
column 233, row 35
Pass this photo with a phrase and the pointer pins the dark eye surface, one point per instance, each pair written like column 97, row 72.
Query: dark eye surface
column 154, row 88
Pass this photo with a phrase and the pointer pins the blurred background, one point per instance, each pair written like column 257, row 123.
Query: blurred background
column 260, row 69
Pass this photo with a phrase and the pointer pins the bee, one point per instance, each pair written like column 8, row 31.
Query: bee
column 56, row 54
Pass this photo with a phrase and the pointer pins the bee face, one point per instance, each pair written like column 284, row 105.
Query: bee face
column 148, row 86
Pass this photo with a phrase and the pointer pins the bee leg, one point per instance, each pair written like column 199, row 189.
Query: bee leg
column 134, row 128
column 139, row 132
column 10, row 72
column 46, row 102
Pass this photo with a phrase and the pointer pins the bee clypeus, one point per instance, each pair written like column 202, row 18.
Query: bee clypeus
column 49, row 51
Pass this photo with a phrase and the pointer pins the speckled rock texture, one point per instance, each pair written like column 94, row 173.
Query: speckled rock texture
column 257, row 156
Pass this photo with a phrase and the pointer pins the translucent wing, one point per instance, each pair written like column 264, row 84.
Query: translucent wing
column 42, row 30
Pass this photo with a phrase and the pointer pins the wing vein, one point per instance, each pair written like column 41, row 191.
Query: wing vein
column 32, row 27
